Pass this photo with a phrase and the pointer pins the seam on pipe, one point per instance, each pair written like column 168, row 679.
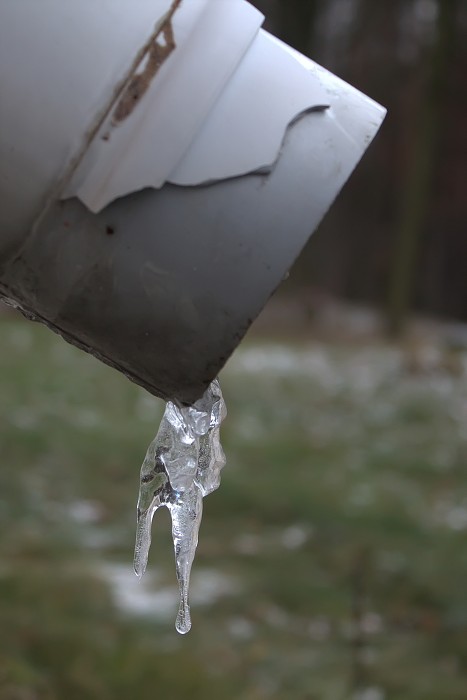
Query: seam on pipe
column 92, row 132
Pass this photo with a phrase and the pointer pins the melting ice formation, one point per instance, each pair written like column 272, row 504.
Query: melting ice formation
column 182, row 465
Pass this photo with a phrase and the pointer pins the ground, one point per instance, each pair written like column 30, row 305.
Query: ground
column 332, row 563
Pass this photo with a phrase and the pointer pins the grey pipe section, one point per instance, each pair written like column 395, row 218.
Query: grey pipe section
column 163, row 285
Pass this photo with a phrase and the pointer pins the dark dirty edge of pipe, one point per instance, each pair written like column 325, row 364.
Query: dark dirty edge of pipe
column 10, row 299
column 92, row 132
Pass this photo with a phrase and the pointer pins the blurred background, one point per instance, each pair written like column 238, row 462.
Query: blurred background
column 397, row 236
column 332, row 563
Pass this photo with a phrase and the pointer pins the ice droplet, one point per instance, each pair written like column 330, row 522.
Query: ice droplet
column 182, row 465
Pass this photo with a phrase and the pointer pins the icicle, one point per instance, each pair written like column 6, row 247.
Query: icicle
column 182, row 464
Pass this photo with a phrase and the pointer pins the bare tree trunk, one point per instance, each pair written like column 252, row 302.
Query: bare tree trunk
column 417, row 187
column 296, row 23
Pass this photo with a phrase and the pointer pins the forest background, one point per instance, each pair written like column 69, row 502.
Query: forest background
column 405, row 247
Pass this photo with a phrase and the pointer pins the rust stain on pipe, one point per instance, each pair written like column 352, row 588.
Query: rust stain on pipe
column 155, row 57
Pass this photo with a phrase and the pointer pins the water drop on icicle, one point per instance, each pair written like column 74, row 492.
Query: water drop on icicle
column 182, row 464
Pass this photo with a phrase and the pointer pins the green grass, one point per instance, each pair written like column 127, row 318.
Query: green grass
column 340, row 528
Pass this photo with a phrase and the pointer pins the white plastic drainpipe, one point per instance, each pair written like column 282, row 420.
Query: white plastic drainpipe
column 162, row 164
